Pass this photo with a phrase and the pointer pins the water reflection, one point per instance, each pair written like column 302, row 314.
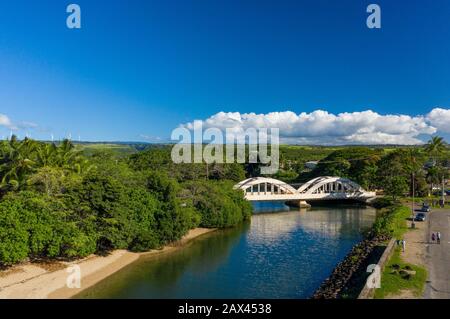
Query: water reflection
column 286, row 254
column 339, row 222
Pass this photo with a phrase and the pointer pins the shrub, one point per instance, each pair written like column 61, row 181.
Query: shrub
column 218, row 203
column 13, row 234
column 391, row 222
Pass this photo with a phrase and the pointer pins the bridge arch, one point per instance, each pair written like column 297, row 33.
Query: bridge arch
column 328, row 184
column 265, row 186
column 320, row 188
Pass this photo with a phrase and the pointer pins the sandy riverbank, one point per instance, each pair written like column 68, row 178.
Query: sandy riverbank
column 41, row 281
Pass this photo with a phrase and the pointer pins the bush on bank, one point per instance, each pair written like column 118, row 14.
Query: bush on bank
column 391, row 222
column 219, row 205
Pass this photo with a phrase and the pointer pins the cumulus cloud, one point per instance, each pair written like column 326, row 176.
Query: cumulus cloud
column 440, row 118
column 6, row 122
column 322, row 127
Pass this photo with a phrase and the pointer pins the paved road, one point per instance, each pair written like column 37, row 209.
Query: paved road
column 438, row 256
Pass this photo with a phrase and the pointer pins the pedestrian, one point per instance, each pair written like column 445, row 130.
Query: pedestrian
column 433, row 237
column 438, row 236
column 403, row 245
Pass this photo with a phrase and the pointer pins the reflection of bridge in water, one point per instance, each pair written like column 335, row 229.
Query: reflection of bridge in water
column 331, row 222
column 317, row 189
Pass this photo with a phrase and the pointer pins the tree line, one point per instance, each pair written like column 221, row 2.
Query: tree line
column 393, row 170
column 58, row 202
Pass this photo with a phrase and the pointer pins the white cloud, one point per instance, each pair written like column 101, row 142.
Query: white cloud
column 6, row 122
column 440, row 118
column 27, row 125
column 322, row 127
column 149, row 138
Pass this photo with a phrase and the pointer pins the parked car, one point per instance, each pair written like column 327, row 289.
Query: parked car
column 425, row 209
column 420, row 217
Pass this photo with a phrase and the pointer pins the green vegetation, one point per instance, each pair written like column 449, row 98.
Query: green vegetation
column 398, row 275
column 389, row 170
column 59, row 201
column 357, row 163
column 391, row 222
column 217, row 210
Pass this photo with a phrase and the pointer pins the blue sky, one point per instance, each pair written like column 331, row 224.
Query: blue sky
column 138, row 69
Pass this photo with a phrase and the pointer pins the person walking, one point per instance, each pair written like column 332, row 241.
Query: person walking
column 438, row 237
column 403, row 245
column 433, row 238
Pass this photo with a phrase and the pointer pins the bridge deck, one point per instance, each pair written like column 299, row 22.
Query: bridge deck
column 306, row 197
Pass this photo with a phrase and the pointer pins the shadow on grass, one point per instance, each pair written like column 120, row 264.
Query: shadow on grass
column 399, row 276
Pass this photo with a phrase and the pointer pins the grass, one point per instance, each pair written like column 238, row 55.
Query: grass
column 392, row 221
column 398, row 276
column 120, row 150
column 400, row 226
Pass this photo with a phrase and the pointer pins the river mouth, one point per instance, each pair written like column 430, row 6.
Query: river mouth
column 281, row 253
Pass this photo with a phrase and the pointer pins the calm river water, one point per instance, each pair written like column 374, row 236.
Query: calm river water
column 282, row 253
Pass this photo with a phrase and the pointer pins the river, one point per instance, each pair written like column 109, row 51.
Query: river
column 281, row 253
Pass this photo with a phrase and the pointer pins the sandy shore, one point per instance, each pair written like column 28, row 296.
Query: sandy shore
column 41, row 281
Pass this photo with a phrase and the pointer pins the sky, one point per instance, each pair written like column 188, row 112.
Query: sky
column 136, row 70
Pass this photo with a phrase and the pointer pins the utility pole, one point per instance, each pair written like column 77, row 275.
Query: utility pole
column 443, row 192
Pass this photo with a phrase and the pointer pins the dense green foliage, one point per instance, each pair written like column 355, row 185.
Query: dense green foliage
column 391, row 170
column 57, row 201
column 216, row 209
column 391, row 222
column 357, row 163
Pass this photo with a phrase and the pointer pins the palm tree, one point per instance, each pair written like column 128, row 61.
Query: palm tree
column 435, row 148
column 46, row 155
column 433, row 177
column 17, row 162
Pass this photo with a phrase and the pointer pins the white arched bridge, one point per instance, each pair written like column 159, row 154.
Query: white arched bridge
column 320, row 188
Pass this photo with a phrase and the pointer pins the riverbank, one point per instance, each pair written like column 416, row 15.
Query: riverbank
column 349, row 277
column 48, row 280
